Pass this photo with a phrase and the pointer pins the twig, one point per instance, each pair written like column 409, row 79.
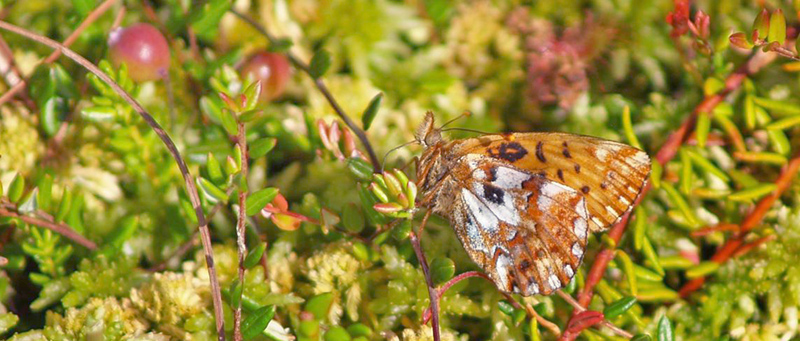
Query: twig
column 734, row 246
column 60, row 228
column 173, row 150
column 434, row 297
column 667, row 152
column 362, row 136
column 96, row 13
column 240, row 228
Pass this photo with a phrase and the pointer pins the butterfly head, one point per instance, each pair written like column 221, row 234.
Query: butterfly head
column 428, row 134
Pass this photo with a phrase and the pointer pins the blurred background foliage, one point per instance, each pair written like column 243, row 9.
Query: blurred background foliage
column 73, row 152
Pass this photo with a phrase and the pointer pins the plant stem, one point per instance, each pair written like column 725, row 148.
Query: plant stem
column 434, row 297
column 362, row 136
column 191, row 189
column 59, row 228
column 240, row 228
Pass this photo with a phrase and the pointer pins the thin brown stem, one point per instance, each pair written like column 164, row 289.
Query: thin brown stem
column 60, row 228
column 434, row 297
column 362, row 136
column 191, row 189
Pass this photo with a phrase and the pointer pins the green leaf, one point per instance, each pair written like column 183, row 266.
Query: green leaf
column 280, row 45
column 762, row 23
column 777, row 27
column 641, row 337
column 778, row 107
column 320, row 305
column 753, row 193
column 45, row 192
column 442, row 269
column 235, row 293
column 214, row 169
column 371, row 111
column 352, row 218
column 99, row 113
column 665, row 329
column 211, row 191
column 7, row 321
column 257, row 200
column 255, row 323
column 254, row 256
column 337, row 333
column 360, row 168
column 29, row 203
column 16, row 188
column 251, row 93
column 64, row 205
column 628, row 269
column 229, row 122
column 701, row 270
column 359, row 329
column 618, row 307
column 126, row 229
column 320, row 64
column 261, row 147
column 205, row 20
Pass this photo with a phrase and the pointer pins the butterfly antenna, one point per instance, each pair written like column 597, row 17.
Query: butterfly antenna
column 466, row 113
column 383, row 163
column 467, row 130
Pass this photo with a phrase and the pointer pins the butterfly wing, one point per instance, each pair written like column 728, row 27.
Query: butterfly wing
column 527, row 232
column 609, row 174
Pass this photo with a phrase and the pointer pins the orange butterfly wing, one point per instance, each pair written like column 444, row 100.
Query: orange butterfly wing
column 610, row 175
column 529, row 233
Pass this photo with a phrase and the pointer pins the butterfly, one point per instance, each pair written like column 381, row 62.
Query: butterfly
column 523, row 204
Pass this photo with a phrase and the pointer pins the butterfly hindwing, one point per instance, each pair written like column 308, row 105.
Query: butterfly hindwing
column 529, row 233
column 609, row 174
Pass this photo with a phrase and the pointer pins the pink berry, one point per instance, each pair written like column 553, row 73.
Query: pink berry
column 272, row 69
column 143, row 49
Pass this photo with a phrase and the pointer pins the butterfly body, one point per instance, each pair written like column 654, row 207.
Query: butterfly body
column 523, row 204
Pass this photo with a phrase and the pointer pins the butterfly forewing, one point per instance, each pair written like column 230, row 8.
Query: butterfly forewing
column 609, row 174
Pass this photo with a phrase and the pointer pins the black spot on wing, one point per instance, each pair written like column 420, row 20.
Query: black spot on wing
column 540, row 152
column 509, row 151
column 493, row 194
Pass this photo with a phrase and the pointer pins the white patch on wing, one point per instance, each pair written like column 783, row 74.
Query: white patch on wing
column 580, row 228
column 624, row 200
column 504, row 210
column 553, row 281
column 474, row 235
column 533, row 288
column 501, row 268
column 580, row 208
column 611, row 211
column 550, row 190
column 598, row 222
column 577, row 251
column 632, row 189
column 568, row 270
column 601, row 154
column 486, row 219
column 508, row 178
column 641, row 158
